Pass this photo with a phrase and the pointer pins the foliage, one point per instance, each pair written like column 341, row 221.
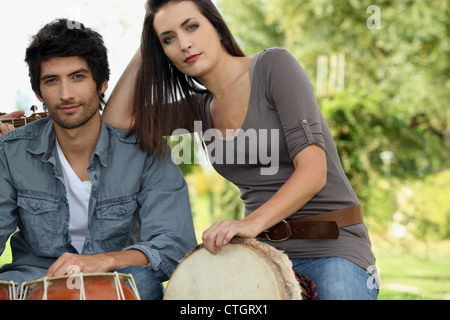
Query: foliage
column 428, row 211
column 364, row 126
column 213, row 198
column 420, row 207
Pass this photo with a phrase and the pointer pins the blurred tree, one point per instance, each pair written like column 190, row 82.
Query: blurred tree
column 213, row 198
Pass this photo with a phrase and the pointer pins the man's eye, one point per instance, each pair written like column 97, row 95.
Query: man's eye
column 50, row 81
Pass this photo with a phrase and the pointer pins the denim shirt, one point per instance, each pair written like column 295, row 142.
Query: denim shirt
column 137, row 202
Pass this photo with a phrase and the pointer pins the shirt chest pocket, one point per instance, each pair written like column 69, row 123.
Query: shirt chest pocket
column 115, row 219
column 39, row 217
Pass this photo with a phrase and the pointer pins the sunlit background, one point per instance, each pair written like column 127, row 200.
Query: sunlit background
column 119, row 21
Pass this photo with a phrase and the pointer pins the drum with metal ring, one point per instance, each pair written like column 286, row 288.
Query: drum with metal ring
column 99, row 286
column 244, row 270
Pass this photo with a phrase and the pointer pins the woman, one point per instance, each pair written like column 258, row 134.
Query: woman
column 186, row 47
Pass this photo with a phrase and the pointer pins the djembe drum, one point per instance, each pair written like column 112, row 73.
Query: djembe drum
column 8, row 290
column 243, row 270
column 100, row 286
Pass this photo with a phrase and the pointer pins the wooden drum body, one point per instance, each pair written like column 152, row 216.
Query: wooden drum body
column 108, row 286
column 243, row 270
column 8, row 291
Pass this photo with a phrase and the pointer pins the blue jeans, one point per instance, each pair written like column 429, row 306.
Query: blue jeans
column 149, row 287
column 337, row 278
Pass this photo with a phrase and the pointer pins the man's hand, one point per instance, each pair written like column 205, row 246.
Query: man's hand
column 97, row 263
column 4, row 127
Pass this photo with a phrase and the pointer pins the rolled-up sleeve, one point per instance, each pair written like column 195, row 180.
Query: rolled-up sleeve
column 167, row 229
column 293, row 96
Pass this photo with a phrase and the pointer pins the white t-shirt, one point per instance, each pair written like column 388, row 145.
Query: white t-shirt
column 78, row 195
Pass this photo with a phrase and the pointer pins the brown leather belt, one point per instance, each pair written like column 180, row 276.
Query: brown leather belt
column 322, row 226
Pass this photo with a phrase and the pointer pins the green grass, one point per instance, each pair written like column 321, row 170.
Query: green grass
column 413, row 269
column 387, row 294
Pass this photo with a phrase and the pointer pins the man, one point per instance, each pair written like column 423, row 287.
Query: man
column 82, row 194
column 5, row 127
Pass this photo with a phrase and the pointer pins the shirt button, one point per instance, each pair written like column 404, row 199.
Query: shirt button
column 305, row 121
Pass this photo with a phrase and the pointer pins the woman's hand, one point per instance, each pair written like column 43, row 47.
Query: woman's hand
column 221, row 233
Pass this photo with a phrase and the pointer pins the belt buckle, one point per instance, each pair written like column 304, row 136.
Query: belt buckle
column 289, row 233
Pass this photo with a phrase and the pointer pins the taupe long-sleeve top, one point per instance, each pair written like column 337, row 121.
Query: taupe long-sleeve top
column 283, row 119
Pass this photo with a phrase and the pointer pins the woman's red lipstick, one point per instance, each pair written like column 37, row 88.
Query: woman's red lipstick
column 192, row 58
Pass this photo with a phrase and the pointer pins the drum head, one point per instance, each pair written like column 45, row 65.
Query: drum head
column 243, row 270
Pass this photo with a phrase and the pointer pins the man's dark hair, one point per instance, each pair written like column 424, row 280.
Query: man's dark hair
column 65, row 38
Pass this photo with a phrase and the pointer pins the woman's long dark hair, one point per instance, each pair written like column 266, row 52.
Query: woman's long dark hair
column 164, row 98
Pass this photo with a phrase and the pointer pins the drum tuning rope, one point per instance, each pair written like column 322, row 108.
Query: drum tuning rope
column 122, row 286
column 82, row 291
column 119, row 291
column 134, row 287
column 12, row 291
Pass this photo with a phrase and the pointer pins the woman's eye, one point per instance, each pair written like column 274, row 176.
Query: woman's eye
column 168, row 39
column 193, row 27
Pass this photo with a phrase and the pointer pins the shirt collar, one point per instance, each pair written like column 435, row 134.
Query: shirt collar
column 45, row 144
